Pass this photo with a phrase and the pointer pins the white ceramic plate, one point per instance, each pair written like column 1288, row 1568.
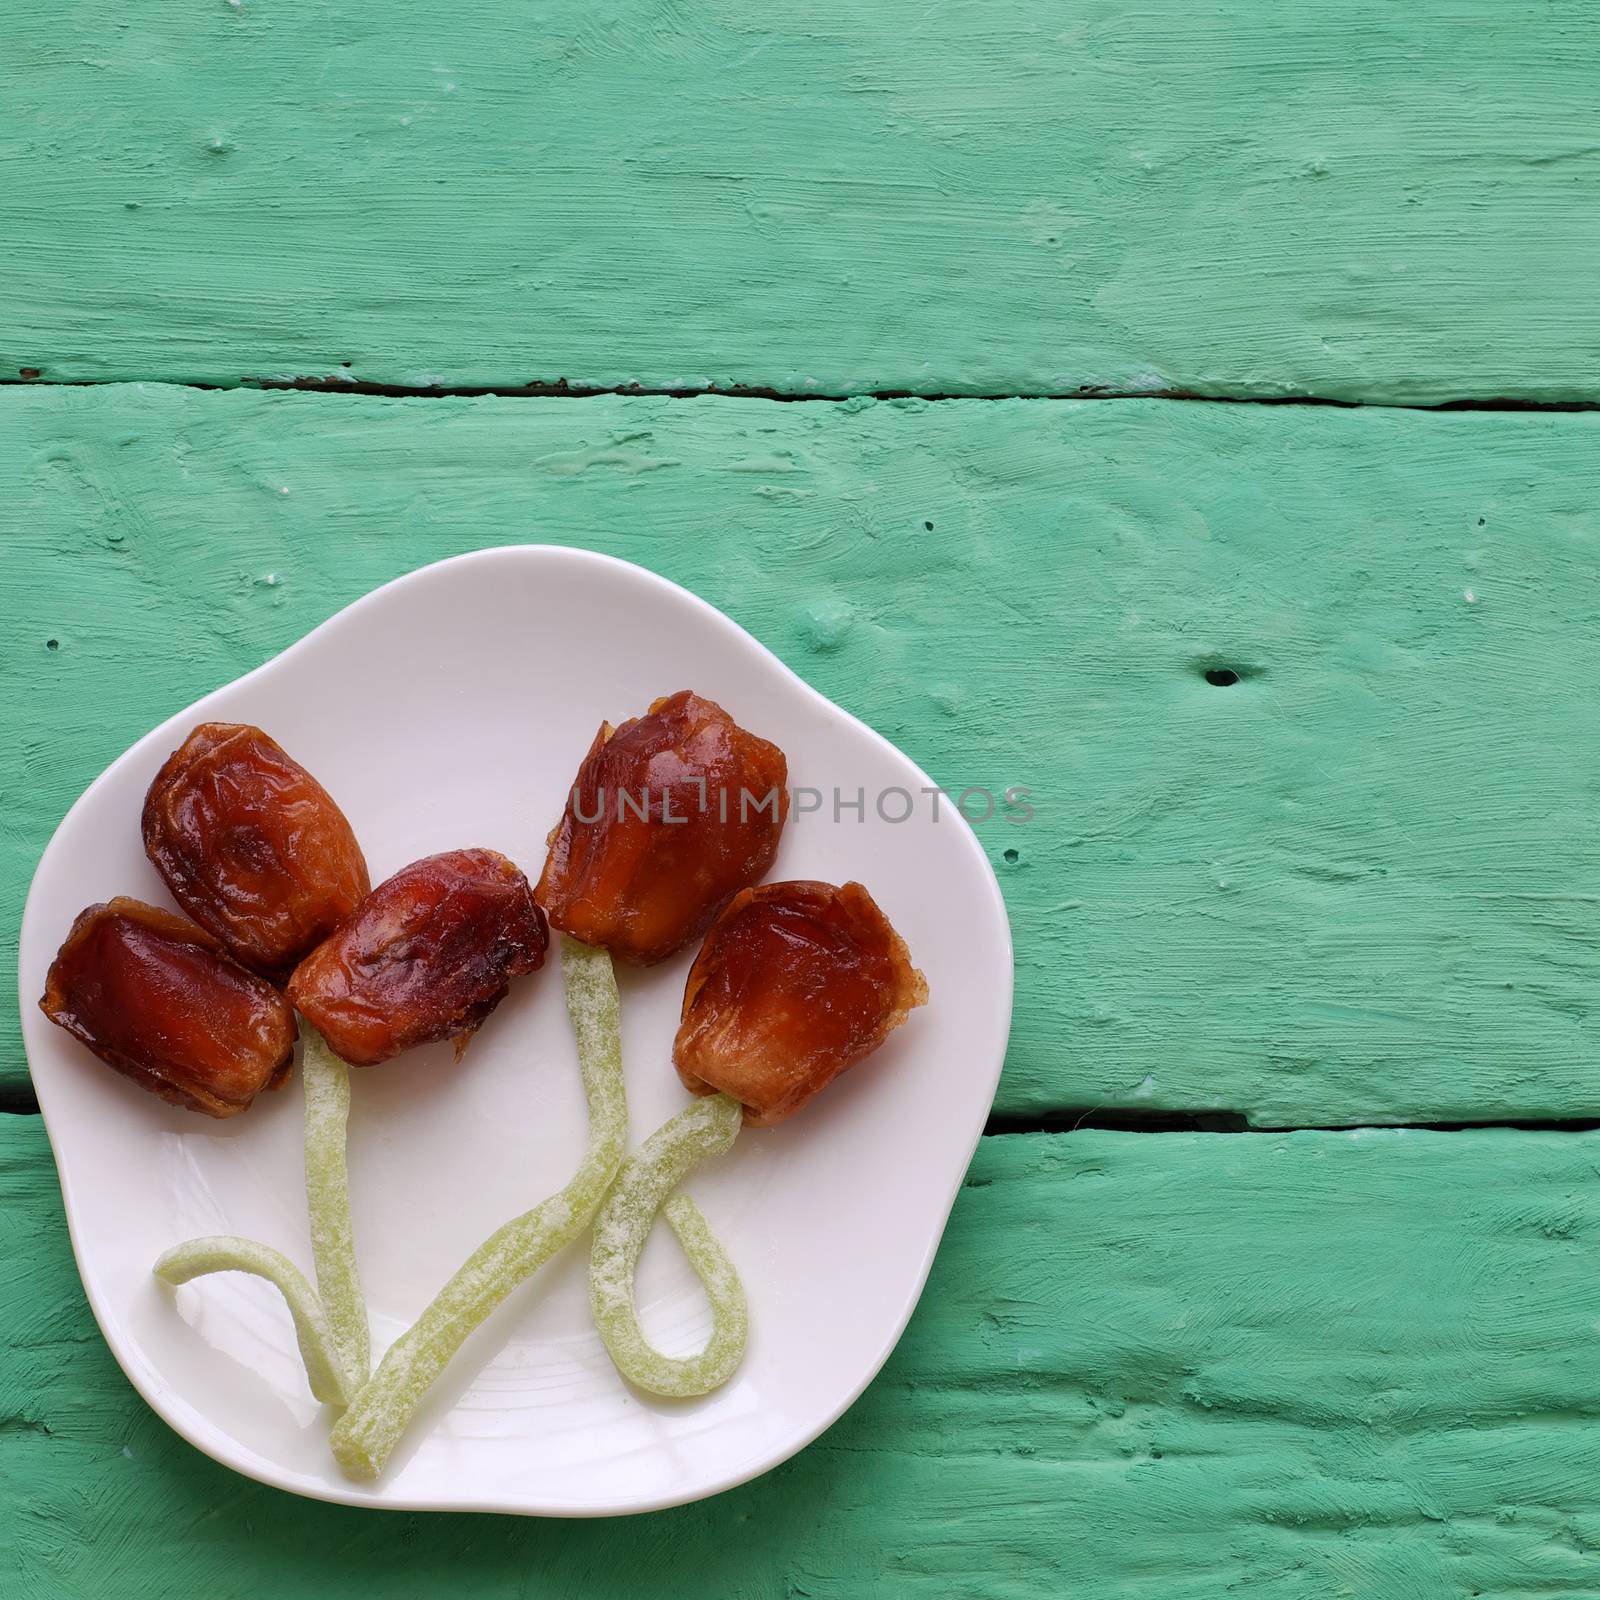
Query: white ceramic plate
column 451, row 708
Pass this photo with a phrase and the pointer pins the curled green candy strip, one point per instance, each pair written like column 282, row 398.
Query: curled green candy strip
column 225, row 1253
column 706, row 1128
column 364, row 1436
column 327, row 1088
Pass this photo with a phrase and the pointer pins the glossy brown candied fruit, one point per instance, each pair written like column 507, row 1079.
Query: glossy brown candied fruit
column 252, row 846
column 428, row 955
column 670, row 814
column 795, row 982
column 156, row 998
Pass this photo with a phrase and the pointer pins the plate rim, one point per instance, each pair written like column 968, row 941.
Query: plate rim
column 374, row 1497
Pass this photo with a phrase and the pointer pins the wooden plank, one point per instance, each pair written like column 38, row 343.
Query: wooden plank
column 997, row 196
column 1163, row 1367
column 1360, row 884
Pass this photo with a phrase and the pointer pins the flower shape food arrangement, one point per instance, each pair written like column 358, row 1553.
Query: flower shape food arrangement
column 672, row 822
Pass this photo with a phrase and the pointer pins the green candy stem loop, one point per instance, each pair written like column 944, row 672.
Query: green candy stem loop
column 225, row 1253
column 647, row 1179
column 327, row 1089
column 366, row 1434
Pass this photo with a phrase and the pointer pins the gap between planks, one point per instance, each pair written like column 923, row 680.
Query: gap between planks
column 560, row 389
column 21, row 1102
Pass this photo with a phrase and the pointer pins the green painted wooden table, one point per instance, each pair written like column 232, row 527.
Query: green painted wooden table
column 1353, row 892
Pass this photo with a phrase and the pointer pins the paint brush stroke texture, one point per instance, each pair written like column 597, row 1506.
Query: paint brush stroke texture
column 1359, row 884
column 1362, row 201
column 1165, row 1367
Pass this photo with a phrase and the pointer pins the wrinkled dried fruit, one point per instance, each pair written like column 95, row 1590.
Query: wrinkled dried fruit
column 428, row 955
column 252, row 846
column 155, row 997
column 795, row 982
column 669, row 815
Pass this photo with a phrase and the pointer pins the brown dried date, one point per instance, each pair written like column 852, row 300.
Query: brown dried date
column 670, row 814
column 427, row 955
column 252, row 846
column 795, row 982
column 154, row 996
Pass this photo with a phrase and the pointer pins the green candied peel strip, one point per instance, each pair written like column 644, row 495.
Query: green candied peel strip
column 226, row 1253
column 704, row 1129
column 364, row 1436
column 326, row 1080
